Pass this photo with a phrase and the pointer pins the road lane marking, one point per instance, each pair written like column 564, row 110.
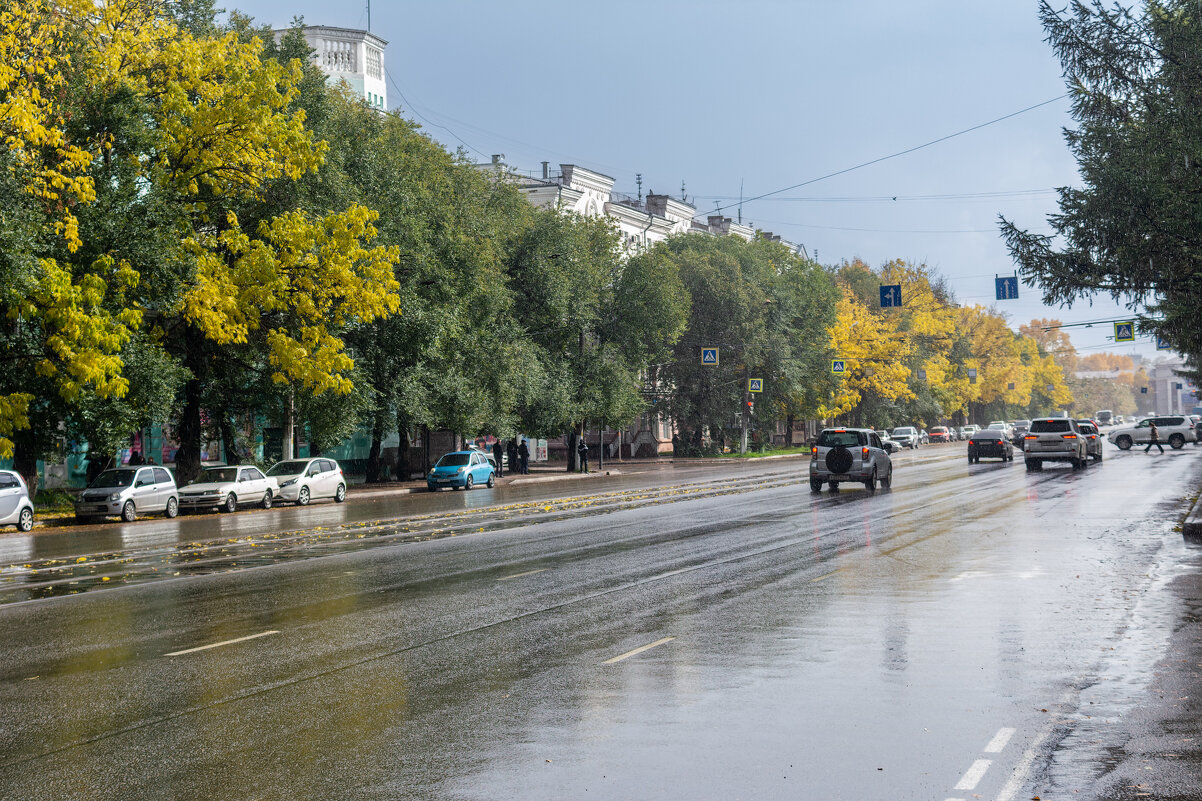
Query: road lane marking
column 973, row 776
column 824, row 577
column 219, row 644
column 520, row 575
column 1019, row 774
column 636, row 651
column 998, row 743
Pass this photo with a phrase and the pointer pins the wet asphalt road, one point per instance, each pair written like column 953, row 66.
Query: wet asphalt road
column 967, row 634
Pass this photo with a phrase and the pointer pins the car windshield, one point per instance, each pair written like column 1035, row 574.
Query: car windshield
column 454, row 460
column 832, row 439
column 1050, row 427
column 217, row 475
column 938, row 430
column 903, row 431
column 288, row 468
column 114, row 478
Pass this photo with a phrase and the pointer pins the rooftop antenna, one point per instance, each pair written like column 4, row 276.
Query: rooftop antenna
column 369, row 16
column 638, row 179
column 740, row 201
column 683, row 197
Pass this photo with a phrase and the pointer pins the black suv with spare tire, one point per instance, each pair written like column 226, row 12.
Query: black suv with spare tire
column 849, row 454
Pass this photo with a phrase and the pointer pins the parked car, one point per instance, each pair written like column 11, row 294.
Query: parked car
column 16, row 508
column 229, row 487
column 924, row 437
column 304, row 480
column 906, row 436
column 849, row 454
column 129, row 492
column 1173, row 429
column 1054, row 439
column 461, row 469
column 891, row 445
column 940, row 434
column 1093, row 438
column 967, row 431
column 990, row 442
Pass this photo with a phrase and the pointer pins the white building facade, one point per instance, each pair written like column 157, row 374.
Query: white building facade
column 351, row 55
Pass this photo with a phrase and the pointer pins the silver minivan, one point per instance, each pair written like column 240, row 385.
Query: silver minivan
column 129, row 492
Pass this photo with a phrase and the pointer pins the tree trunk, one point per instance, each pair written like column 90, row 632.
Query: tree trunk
column 373, row 455
column 25, row 460
column 789, row 420
column 229, row 442
column 402, row 451
column 189, row 430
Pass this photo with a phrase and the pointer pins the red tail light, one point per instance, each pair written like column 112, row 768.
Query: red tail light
column 863, row 453
column 1030, row 436
column 1069, row 436
column 813, row 450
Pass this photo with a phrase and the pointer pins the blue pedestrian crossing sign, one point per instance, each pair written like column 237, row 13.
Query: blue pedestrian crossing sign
column 1163, row 344
column 838, row 366
column 755, row 385
column 1007, row 287
column 709, row 355
column 890, row 295
column 1143, row 390
column 1124, row 331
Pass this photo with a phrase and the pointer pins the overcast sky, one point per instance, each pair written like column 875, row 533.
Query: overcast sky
column 764, row 94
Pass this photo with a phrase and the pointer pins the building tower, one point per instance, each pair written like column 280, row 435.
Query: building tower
column 351, row 55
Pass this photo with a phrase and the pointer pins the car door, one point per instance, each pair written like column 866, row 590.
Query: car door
column 145, row 494
column 10, row 494
column 315, row 480
column 164, row 487
column 325, row 479
column 256, row 483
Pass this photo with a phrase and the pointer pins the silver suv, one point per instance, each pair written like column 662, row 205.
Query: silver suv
column 849, row 454
column 1172, row 429
column 1055, row 439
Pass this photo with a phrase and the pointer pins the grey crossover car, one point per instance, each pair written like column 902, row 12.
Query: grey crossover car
column 1055, row 439
column 16, row 509
column 849, row 454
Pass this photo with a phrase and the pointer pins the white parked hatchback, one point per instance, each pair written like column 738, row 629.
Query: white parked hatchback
column 15, row 507
column 303, row 480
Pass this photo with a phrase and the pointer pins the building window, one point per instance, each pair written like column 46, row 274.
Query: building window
column 374, row 64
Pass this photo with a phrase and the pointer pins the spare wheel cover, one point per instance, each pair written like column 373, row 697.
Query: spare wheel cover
column 838, row 460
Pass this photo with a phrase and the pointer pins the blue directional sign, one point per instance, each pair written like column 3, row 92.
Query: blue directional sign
column 1007, row 287
column 709, row 355
column 1124, row 331
column 1163, row 344
column 972, row 375
column 755, row 385
column 890, row 295
column 1010, row 385
column 922, row 374
column 1143, row 390
column 838, row 366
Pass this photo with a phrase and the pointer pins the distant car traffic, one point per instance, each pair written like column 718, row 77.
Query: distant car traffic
column 967, row 431
column 1020, row 428
column 128, row 492
column 227, row 488
column 16, row 508
column 849, row 454
column 1174, row 430
column 461, row 470
column 924, row 437
column 1054, row 439
column 1093, row 439
column 891, row 445
column 304, row 480
column 940, row 434
column 990, row 442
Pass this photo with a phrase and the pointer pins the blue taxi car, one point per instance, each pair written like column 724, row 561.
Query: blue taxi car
column 461, row 469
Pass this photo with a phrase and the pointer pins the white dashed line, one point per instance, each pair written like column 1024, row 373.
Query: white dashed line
column 520, row 575
column 998, row 743
column 972, row 778
column 637, row 651
column 219, row 644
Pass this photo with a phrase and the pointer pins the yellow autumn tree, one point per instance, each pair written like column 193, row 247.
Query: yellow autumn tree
column 875, row 352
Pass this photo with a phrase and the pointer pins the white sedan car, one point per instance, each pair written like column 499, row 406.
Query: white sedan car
column 228, row 488
column 302, row 480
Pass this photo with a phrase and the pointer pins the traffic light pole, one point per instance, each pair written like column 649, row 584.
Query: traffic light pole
column 743, row 413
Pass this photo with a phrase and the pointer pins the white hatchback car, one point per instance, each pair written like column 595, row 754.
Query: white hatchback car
column 303, row 480
column 128, row 492
column 15, row 507
column 228, row 487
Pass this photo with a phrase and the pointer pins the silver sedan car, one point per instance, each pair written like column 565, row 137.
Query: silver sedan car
column 16, row 509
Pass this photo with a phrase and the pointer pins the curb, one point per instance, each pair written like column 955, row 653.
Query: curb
column 1191, row 529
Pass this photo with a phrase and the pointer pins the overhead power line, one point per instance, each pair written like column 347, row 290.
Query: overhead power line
column 897, row 198
column 895, row 155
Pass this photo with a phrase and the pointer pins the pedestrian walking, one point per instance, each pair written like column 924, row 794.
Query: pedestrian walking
column 1155, row 438
column 524, row 457
column 582, row 452
column 498, row 453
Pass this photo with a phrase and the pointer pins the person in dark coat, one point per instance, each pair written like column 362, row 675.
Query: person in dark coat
column 582, row 452
column 512, row 450
column 524, row 457
column 498, row 453
column 1155, row 440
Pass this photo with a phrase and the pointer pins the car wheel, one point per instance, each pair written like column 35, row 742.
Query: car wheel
column 492, row 480
column 970, row 459
column 302, row 497
column 1177, row 442
column 870, row 482
column 25, row 521
column 1030, row 463
column 815, row 485
column 231, row 503
column 887, row 481
column 172, row 508
column 834, row 486
column 128, row 513
column 266, row 502
column 1124, row 443
column 467, row 483
column 340, row 493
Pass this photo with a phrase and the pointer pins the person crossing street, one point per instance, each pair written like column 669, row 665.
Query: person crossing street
column 1155, row 439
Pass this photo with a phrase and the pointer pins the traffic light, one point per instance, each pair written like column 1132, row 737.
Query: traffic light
column 750, row 407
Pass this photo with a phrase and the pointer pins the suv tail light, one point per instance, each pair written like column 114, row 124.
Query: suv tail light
column 1030, row 436
column 864, row 453
column 1069, row 436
